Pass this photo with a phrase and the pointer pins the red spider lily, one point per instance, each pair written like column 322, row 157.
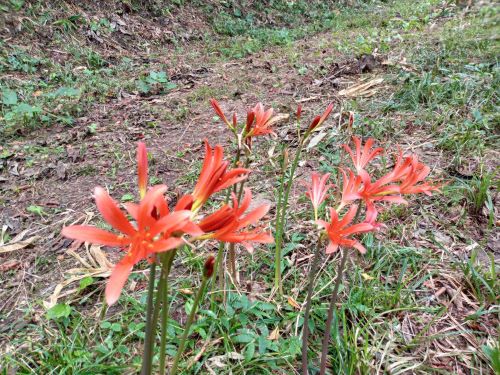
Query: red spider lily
column 262, row 121
column 161, row 209
column 140, row 241
column 228, row 224
column 351, row 187
column 218, row 111
column 317, row 190
column 214, row 176
column 361, row 187
column 339, row 231
column 142, row 168
column 318, row 120
column 363, row 155
column 412, row 183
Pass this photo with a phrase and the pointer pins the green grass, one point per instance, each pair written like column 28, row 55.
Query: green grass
column 450, row 96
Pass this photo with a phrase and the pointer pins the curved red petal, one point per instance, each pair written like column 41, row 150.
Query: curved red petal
column 118, row 278
column 94, row 235
column 111, row 212
column 144, row 218
column 170, row 222
column 142, row 168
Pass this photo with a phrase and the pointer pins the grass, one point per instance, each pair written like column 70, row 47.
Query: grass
column 391, row 311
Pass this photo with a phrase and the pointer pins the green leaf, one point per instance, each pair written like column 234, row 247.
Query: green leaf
column 85, row 282
column 494, row 357
column 105, row 325
column 143, row 87
column 65, row 91
column 26, row 109
column 61, row 310
column 250, row 351
column 116, row 327
column 169, row 86
column 9, row 97
column 35, row 210
column 127, row 198
column 265, row 306
column 262, row 344
column 243, row 338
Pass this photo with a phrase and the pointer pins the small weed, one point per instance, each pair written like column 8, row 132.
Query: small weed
column 155, row 81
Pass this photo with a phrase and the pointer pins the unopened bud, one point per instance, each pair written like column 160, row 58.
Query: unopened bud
column 314, row 123
column 208, row 268
column 299, row 112
column 351, row 119
column 250, row 118
column 235, row 120
column 285, row 159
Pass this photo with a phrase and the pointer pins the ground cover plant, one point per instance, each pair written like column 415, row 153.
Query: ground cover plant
column 105, row 96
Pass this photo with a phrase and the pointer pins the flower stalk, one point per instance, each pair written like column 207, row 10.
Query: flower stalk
column 207, row 274
column 167, row 260
column 331, row 309
column 310, row 289
column 281, row 217
column 148, row 341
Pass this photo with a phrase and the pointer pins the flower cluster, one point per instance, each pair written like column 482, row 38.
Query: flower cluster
column 154, row 228
column 406, row 177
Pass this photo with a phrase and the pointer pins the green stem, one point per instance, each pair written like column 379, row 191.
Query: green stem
column 189, row 322
column 219, row 265
column 331, row 309
column 310, row 289
column 147, row 358
column 278, row 284
column 167, row 260
column 232, row 246
column 218, row 260
column 280, row 191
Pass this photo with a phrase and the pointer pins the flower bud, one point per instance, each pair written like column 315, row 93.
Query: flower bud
column 235, row 120
column 142, row 168
column 208, row 267
column 314, row 123
column 250, row 118
column 299, row 112
column 351, row 120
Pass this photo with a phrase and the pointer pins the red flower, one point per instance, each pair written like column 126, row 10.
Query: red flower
column 218, row 111
column 412, row 177
column 361, row 187
column 339, row 231
column 142, row 168
column 318, row 120
column 262, row 121
column 214, row 176
column 317, row 190
column 351, row 187
column 362, row 156
column 147, row 237
column 229, row 224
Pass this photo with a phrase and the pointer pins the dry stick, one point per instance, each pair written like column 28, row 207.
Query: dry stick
column 333, row 300
column 305, row 331
column 148, row 341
